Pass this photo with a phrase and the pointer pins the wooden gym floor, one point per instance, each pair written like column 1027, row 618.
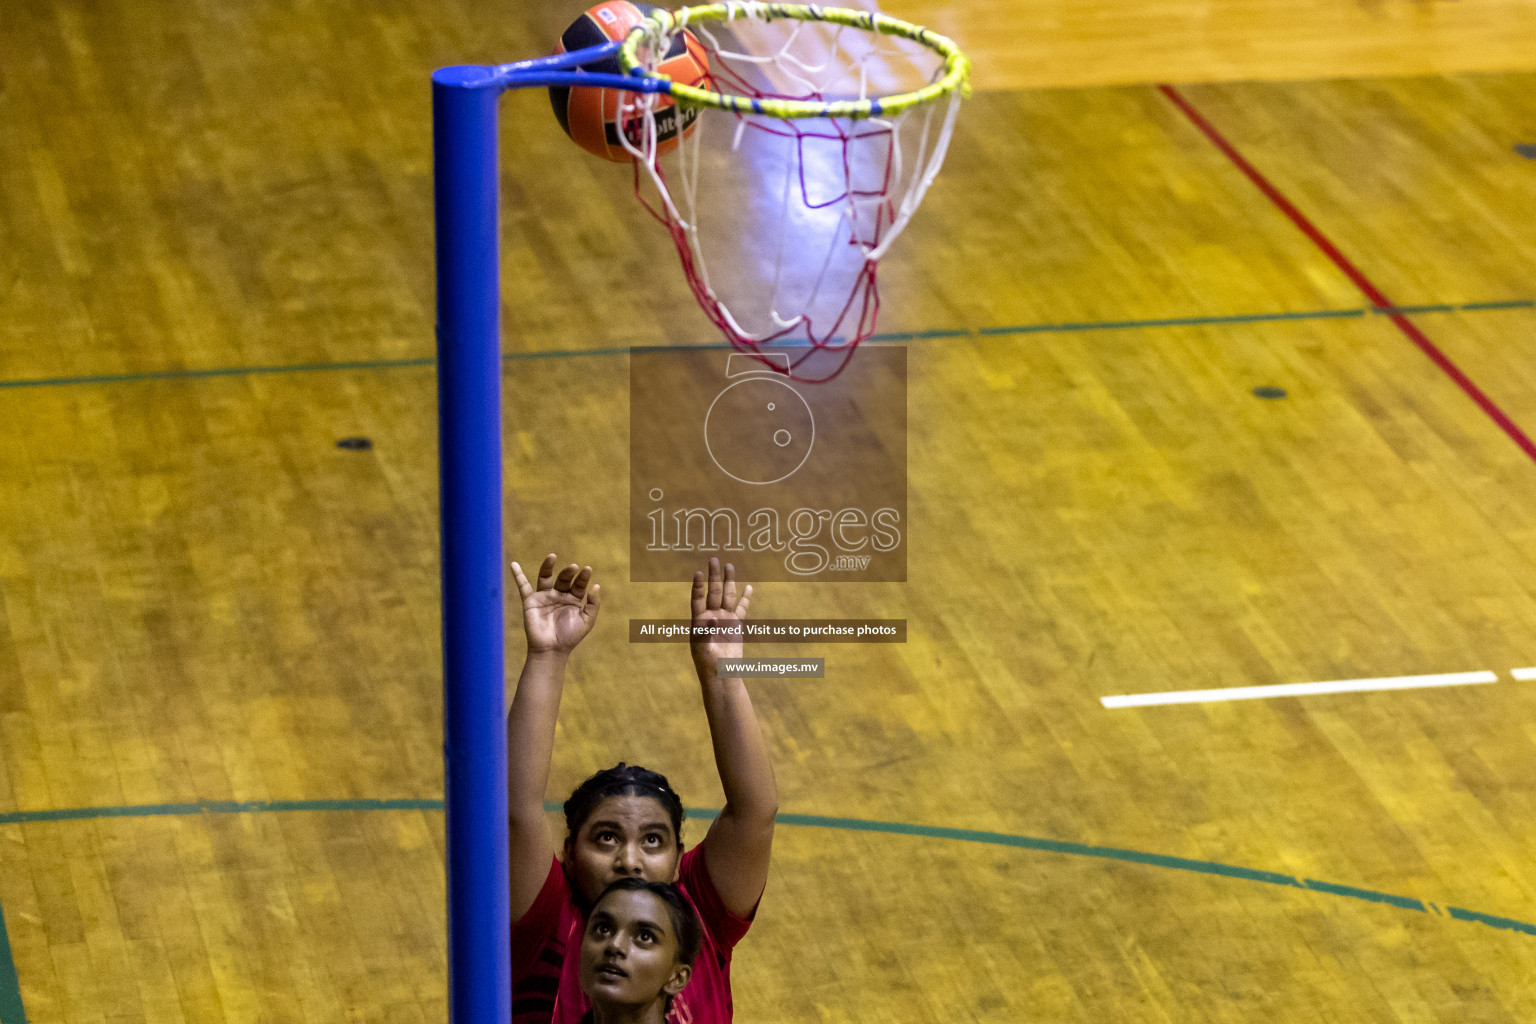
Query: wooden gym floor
column 219, row 684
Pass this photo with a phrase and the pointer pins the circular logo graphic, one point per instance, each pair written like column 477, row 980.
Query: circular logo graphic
column 759, row 430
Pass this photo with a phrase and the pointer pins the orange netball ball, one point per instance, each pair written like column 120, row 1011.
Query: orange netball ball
column 591, row 116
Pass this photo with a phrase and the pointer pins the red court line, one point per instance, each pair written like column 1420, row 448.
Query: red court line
column 1367, row 288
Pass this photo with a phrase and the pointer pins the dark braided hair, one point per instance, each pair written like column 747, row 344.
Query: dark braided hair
column 685, row 923
column 623, row 780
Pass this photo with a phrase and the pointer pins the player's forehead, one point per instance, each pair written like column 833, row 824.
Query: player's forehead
column 633, row 908
column 630, row 813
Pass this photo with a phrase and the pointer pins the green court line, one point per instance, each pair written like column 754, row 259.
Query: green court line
column 218, row 807
column 1075, row 327
column 1397, row 310
column 1406, row 902
column 1493, row 922
column 920, row 335
column 1477, row 307
column 805, row 821
column 11, row 1010
column 221, row 371
column 1015, row 330
column 965, row 835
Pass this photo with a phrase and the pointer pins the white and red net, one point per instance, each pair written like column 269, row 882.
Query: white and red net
column 781, row 223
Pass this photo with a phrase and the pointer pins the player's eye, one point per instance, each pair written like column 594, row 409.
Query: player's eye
column 653, row 839
column 647, row 936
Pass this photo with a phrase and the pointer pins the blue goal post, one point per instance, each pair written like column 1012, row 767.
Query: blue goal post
column 464, row 139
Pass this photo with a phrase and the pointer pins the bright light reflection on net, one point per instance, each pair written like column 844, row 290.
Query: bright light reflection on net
column 780, row 224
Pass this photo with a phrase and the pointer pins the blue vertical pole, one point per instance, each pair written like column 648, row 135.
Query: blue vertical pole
column 464, row 136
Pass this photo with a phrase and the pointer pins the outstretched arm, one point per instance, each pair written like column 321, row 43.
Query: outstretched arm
column 557, row 613
column 737, row 848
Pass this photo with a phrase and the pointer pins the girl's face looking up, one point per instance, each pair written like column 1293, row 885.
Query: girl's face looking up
column 629, row 954
column 623, row 837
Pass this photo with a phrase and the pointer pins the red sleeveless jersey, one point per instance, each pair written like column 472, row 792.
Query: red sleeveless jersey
column 546, row 953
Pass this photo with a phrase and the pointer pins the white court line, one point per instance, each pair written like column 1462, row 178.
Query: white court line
column 1523, row 674
column 1133, row 700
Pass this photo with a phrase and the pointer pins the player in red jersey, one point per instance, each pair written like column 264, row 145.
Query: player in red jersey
column 641, row 941
column 626, row 822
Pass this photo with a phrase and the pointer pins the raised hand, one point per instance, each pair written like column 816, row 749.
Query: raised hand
column 740, row 842
column 560, row 610
column 717, row 603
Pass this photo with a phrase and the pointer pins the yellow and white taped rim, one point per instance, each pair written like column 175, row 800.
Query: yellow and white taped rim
column 660, row 23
